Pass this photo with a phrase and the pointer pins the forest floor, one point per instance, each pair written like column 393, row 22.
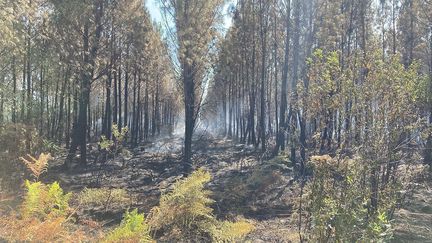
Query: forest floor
column 243, row 185
column 263, row 194
column 413, row 222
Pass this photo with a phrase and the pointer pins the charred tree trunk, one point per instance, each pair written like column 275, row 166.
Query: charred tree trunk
column 280, row 141
column 86, row 75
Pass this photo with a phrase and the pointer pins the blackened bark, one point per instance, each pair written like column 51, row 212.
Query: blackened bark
column 280, row 141
column 86, row 75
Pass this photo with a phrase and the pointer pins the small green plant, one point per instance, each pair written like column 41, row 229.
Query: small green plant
column 186, row 204
column 133, row 228
column 43, row 200
column 105, row 143
column 32, row 201
column 115, row 146
column 185, row 213
column 44, row 215
column 119, row 134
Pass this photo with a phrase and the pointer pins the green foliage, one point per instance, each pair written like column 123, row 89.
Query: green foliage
column 103, row 197
column 32, row 201
column 324, row 91
column 119, row 134
column 185, row 213
column 133, row 228
column 119, row 137
column 385, row 92
column 43, row 201
column 337, row 203
column 105, row 144
column 57, row 201
column 115, row 146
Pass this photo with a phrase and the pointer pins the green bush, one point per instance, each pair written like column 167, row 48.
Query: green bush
column 338, row 203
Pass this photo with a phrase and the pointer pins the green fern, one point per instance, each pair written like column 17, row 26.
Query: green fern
column 185, row 213
column 132, row 229
column 187, row 203
column 32, row 202
column 226, row 231
column 57, row 201
column 42, row 201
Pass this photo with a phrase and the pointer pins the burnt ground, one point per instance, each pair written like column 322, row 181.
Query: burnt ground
column 239, row 187
column 243, row 185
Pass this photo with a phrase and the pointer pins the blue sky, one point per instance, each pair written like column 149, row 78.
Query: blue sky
column 154, row 10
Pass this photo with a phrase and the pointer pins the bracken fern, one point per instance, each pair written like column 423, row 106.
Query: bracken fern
column 37, row 166
column 185, row 214
column 133, row 228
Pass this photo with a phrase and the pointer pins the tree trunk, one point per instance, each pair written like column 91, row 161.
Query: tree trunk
column 189, row 103
column 280, row 141
column 86, row 75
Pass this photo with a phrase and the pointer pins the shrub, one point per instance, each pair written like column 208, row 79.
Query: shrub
column 105, row 143
column 44, row 215
column 119, row 134
column 114, row 145
column 185, row 213
column 43, row 200
column 133, row 228
column 338, row 203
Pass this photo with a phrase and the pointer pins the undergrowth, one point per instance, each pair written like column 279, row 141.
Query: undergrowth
column 45, row 201
column 44, row 215
column 337, row 203
column 185, row 213
column 133, row 228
